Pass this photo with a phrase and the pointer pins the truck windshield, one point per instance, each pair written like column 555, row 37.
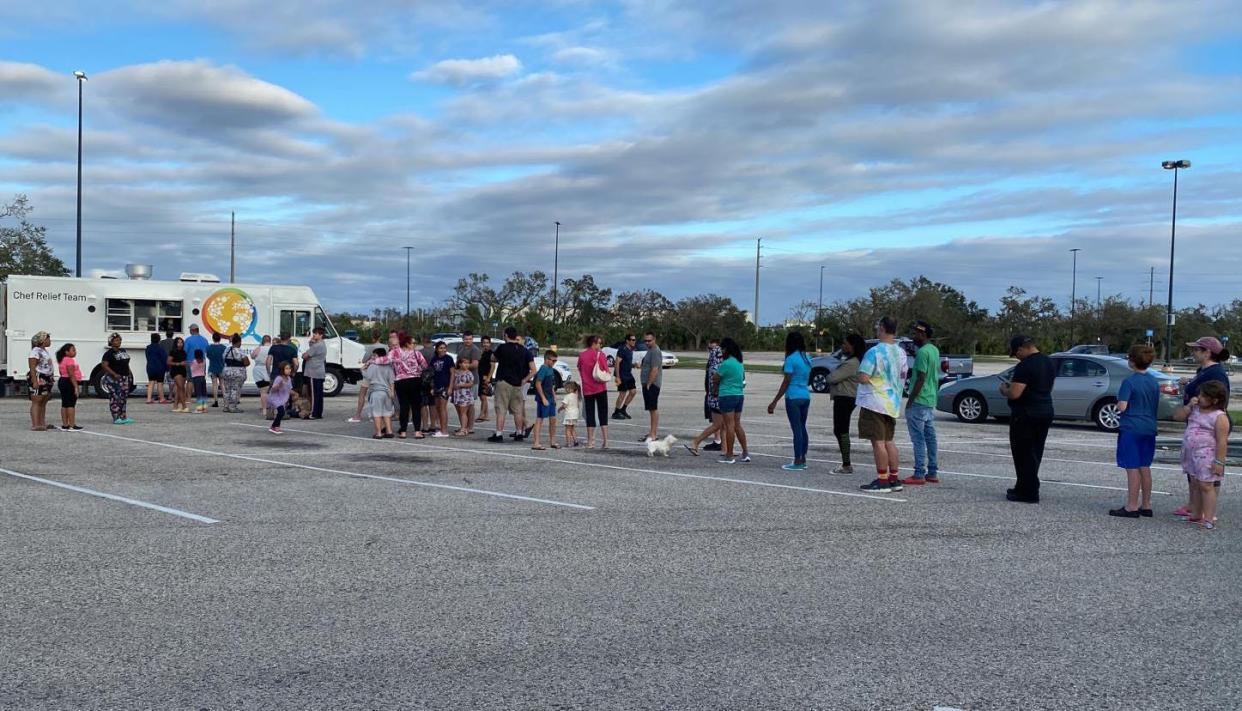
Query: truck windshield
column 321, row 319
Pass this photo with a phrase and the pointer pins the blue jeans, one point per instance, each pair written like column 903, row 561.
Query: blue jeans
column 921, row 421
column 797, row 411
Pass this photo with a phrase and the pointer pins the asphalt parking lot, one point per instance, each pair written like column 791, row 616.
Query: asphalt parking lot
column 326, row 570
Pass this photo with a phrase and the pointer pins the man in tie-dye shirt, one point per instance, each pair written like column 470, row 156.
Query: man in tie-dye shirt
column 881, row 378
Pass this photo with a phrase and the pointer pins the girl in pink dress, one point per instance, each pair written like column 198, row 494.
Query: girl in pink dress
column 1204, row 447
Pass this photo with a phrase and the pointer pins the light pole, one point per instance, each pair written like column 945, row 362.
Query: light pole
column 1074, row 295
column 1099, row 308
column 407, row 283
column 81, row 77
column 556, row 264
column 1173, row 165
column 819, row 309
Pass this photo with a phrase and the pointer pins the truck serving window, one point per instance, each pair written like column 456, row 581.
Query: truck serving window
column 295, row 322
column 143, row 315
column 321, row 319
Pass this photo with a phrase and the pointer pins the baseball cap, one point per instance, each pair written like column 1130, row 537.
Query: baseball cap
column 1017, row 342
column 1209, row 343
column 923, row 327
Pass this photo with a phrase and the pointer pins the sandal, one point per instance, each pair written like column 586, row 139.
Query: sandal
column 539, row 448
column 419, row 435
column 692, row 450
column 377, row 436
column 554, row 445
column 401, row 435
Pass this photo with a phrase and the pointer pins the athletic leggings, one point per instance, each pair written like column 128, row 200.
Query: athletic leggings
column 68, row 393
column 410, row 401
column 280, row 415
column 842, row 409
column 596, row 408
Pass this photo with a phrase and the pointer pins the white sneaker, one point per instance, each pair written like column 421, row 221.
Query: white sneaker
column 354, row 420
column 439, row 434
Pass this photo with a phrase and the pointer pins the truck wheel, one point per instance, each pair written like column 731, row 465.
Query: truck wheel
column 1106, row 415
column 97, row 384
column 819, row 380
column 333, row 382
column 970, row 407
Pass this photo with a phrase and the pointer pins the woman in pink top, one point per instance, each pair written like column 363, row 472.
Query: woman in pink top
column 70, row 377
column 407, row 368
column 592, row 361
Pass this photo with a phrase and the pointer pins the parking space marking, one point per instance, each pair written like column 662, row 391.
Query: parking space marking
column 576, row 463
column 325, row 470
column 111, row 497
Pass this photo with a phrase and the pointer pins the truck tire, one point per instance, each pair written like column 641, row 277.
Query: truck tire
column 819, row 380
column 333, row 382
column 97, row 384
column 971, row 407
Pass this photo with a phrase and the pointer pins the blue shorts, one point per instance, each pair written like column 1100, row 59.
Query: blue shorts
column 1135, row 450
column 730, row 403
column 543, row 412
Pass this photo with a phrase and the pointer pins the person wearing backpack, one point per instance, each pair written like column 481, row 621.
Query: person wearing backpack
column 795, row 388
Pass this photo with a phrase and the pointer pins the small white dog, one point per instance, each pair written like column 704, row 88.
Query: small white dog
column 660, row 446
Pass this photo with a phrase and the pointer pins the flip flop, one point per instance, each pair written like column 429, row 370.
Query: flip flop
column 555, row 446
column 691, row 450
column 539, row 449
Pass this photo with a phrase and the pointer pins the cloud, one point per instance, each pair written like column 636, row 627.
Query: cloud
column 582, row 55
column 30, row 83
column 460, row 72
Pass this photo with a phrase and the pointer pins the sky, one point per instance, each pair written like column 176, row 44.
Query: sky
column 972, row 142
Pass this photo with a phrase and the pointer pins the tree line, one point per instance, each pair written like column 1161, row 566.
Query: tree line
column 580, row 306
column 583, row 306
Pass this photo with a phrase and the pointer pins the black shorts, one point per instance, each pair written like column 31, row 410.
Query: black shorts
column 262, row 383
column 626, row 385
column 68, row 393
column 651, row 398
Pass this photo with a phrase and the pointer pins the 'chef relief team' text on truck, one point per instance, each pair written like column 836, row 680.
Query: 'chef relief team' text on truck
column 85, row 311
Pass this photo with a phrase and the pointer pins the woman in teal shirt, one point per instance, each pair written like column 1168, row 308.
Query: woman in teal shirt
column 730, row 381
column 794, row 388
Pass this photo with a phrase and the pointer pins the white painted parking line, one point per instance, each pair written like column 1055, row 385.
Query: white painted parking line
column 112, row 497
column 581, row 463
column 325, row 470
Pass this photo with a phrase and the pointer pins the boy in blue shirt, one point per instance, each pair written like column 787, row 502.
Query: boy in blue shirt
column 1137, row 400
column 545, row 400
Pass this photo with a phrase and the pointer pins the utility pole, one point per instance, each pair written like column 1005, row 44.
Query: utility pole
column 232, row 247
column 755, row 314
column 407, row 283
column 819, row 308
column 77, row 270
column 1074, row 296
column 556, row 263
column 1151, row 288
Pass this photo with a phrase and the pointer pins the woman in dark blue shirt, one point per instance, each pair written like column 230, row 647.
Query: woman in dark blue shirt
column 1210, row 354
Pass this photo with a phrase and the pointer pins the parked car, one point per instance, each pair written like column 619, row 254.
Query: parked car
column 1085, row 389
column 351, row 334
column 952, row 367
column 669, row 359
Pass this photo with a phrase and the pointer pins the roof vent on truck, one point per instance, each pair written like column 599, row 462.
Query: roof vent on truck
column 199, row 278
column 139, row 271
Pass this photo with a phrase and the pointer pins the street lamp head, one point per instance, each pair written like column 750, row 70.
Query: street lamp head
column 1173, row 164
column 80, row 75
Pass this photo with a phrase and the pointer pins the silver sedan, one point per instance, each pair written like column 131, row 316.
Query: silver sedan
column 1085, row 389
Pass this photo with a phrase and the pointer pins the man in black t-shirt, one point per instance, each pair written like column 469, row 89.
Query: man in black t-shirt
column 281, row 352
column 515, row 366
column 1030, row 408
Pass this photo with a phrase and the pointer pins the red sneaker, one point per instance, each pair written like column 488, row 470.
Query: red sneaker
column 932, row 479
column 914, row 481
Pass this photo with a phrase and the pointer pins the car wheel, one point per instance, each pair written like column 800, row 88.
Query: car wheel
column 971, row 407
column 819, row 380
column 1107, row 416
column 333, row 381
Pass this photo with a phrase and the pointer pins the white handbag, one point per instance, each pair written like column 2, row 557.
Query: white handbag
column 601, row 375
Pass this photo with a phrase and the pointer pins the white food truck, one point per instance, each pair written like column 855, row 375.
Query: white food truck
column 85, row 311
